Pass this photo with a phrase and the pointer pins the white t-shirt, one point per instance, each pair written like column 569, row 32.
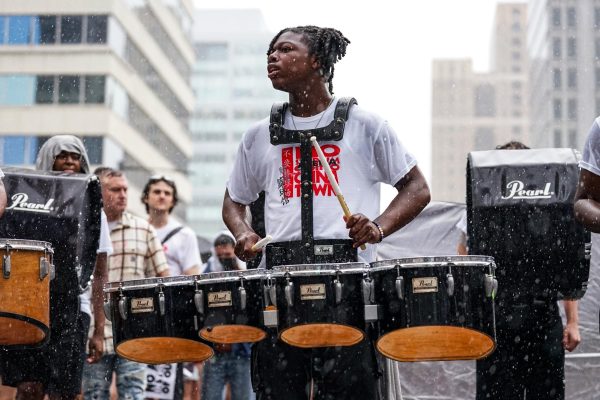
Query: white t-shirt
column 591, row 150
column 369, row 153
column 1, row 174
column 104, row 246
column 181, row 249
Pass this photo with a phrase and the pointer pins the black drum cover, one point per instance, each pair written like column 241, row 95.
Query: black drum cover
column 520, row 211
column 60, row 208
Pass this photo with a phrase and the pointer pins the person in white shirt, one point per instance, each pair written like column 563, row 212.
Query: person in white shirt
column 301, row 210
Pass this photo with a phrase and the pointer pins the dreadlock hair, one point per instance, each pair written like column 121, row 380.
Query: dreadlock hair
column 327, row 44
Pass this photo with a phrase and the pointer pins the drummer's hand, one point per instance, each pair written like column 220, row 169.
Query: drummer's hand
column 243, row 245
column 96, row 348
column 571, row 337
column 362, row 230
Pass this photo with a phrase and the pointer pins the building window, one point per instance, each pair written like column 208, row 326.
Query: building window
column 94, row 146
column 571, row 47
column 17, row 90
column 18, row 150
column 70, row 29
column 484, row 139
column 571, row 17
column 557, row 138
column 47, row 29
column 68, row 89
column 556, row 17
column 556, row 78
column 96, row 29
column 485, row 101
column 557, row 109
column 44, row 91
column 212, row 51
column 94, row 89
column 19, row 29
column 573, row 139
column 572, row 78
column 572, row 109
column 556, row 48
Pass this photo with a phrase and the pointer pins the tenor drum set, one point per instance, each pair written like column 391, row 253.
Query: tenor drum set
column 427, row 308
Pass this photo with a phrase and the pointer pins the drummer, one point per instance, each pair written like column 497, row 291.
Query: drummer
column 301, row 63
column 2, row 194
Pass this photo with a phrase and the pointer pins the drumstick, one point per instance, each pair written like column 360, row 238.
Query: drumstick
column 262, row 243
column 334, row 185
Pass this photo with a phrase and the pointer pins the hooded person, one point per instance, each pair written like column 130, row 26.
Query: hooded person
column 223, row 256
column 57, row 370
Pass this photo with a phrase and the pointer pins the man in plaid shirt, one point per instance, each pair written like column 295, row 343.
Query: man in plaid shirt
column 137, row 254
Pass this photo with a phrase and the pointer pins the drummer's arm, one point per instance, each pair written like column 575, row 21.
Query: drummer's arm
column 571, row 336
column 96, row 343
column 587, row 200
column 3, row 199
column 234, row 216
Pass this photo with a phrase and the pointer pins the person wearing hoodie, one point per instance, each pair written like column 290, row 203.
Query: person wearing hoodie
column 56, row 369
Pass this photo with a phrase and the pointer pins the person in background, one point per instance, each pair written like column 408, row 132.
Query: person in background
column 179, row 242
column 529, row 358
column 230, row 363
column 146, row 260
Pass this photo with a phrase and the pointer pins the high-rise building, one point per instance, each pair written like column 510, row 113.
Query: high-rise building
column 477, row 111
column 564, row 48
column 232, row 92
column 114, row 72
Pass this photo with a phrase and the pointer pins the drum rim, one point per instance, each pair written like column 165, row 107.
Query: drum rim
column 26, row 244
column 181, row 280
column 320, row 269
column 435, row 261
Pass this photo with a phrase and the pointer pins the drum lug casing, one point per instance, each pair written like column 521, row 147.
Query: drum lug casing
column 123, row 307
column 289, row 293
column 490, row 284
column 242, row 297
column 44, row 268
column 161, row 303
column 6, row 266
column 450, row 284
column 367, row 291
column 106, row 307
column 273, row 295
column 400, row 287
column 338, row 291
column 199, row 301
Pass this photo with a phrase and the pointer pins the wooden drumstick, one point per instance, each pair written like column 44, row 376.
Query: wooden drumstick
column 262, row 243
column 334, row 185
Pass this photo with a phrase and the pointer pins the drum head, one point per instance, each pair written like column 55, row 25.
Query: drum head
column 20, row 330
column 230, row 334
column 435, row 343
column 322, row 335
column 164, row 350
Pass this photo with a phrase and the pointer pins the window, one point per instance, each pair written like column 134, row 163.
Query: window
column 68, row 89
column 44, row 92
column 94, row 89
column 19, row 29
column 573, row 139
column 572, row 109
column 96, row 29
column 2, row 28
column 572, row 78
column 485, row 101
column 94, row 147
column 18, row 150
column 212, row 51
column 17, row 90
column 556, row 16
column 70, row 29
column 47, row 29
column 571, row 47
column 557, row 138
column 556, row 78
column 557, row 109
column 556, row 48
column 484, row 139
column 571, row 17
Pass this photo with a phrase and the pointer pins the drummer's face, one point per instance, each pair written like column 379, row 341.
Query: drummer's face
column 66, row 161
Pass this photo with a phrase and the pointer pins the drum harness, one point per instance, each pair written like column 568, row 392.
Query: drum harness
column 308, row 250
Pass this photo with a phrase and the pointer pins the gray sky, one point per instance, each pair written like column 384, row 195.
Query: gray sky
column 388, row 64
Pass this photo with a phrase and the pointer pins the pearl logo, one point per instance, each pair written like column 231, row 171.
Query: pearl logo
column 516, row 190
column 20, row 202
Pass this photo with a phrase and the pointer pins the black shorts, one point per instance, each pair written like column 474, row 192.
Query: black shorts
column 59, row 364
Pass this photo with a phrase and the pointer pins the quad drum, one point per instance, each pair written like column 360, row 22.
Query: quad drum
column 435, row 308
column 423, row 309
column 24, row 292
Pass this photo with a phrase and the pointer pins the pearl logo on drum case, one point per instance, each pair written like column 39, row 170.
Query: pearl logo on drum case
column 312, row 292
column 425, row 285
column 219, row 299
column 516, row 190
column 20, row 202
column 142, row 305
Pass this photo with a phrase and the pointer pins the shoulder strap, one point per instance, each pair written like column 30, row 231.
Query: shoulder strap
column 171, row 234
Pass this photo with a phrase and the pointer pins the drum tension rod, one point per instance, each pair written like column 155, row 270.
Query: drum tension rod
column 6, row 264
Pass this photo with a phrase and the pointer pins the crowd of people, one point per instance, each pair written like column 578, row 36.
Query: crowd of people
column 275, row 159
